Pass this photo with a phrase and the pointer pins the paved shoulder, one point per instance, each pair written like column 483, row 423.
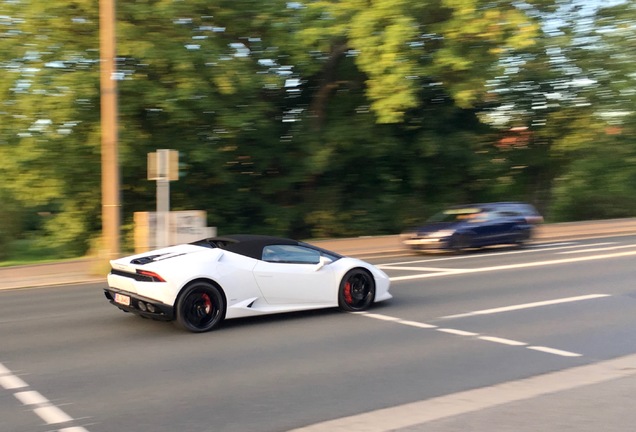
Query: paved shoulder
column 613, row 378
column 58, row 273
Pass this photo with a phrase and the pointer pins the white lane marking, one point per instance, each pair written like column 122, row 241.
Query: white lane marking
column 52, row 414
column 429, row 410
column 43, row 408
column 431, row 269
column 502, row 341
column 516, row 266
column 30, row 398
column 596, row 249
column 382, row 317
column 554, row 351
column 532, row 249
column 458, row 332
column 527, row 306
column 543, row 248
column 10, row 382
column 416, row 324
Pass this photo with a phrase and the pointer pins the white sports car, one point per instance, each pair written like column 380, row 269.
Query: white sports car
column 202, row 283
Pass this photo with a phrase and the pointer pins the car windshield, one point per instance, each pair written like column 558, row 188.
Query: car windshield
column 455, row 215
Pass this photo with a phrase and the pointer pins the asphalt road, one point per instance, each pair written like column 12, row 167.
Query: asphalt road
column 501, row 340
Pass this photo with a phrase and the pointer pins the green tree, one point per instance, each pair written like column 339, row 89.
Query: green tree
column 49, row 140
column 310, row 119
column 566, row 97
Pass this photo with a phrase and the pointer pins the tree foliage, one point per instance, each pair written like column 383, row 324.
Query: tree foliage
column 320, row 118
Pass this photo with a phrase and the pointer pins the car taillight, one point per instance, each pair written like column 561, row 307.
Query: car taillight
column 154, row 277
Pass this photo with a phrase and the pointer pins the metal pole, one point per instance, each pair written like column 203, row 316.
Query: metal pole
column 163, row 198
column 111, row 206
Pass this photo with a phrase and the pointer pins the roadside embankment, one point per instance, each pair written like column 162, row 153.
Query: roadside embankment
column 83, row 270
column 546, row 232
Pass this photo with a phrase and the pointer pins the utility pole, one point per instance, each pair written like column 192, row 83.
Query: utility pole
column 163, row 166
column 111, row 207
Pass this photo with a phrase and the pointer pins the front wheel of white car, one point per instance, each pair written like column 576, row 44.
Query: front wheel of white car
column 201, row 307
column 357, row 291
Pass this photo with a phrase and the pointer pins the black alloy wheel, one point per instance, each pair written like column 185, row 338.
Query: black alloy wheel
column 201, row 307
column 357, row 291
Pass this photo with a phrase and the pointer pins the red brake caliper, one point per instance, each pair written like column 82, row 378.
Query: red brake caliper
column 207, row 303
column 347, row 293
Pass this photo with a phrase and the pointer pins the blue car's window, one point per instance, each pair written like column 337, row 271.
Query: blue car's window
column 481, row 217
column 455, row 215
column 508, row 214
column 290, row 254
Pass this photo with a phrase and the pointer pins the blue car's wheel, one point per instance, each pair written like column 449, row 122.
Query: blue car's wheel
column 357, row 291
column 201, row 307
column 462, row 241
column 523, row 237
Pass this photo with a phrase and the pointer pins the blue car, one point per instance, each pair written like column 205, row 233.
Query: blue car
column 475, row 226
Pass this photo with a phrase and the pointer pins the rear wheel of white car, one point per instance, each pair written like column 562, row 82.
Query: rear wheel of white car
column 201, row 307
column 357, row 291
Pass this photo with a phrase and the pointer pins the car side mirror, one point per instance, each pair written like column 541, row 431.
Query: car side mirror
column 323, row 262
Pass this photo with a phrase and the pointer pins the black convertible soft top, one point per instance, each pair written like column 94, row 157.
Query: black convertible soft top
column 251, row 245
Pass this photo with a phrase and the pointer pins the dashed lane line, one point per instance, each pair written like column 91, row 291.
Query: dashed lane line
column 554, row 351
column 30, row 398
column 52, row 414
column 11, row 382
column 378, row 316
column 417, row 324
column 502, row 341
column 456, row 332
column 41, row 406
column 464, row 333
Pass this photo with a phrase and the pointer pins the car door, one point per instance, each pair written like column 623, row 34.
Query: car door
column 492, row 227
column 482, row 228
column 506, row 225
column 292, row 274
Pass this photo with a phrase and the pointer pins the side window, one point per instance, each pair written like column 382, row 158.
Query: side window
column 481, row 217
column 508, row 214
column 290, row 254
